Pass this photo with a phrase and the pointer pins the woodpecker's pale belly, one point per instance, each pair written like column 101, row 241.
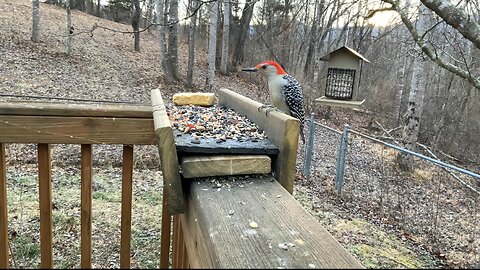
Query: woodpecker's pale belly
column 278, row 100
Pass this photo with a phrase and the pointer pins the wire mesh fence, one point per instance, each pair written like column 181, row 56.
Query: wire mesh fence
column 432, row 206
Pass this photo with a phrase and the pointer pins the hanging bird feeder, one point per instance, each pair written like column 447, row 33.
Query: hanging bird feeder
column 343, row 78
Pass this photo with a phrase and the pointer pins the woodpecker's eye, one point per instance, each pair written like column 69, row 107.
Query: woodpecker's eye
column 264, row 66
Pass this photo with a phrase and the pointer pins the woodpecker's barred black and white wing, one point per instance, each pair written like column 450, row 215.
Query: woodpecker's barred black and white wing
column 293, row 94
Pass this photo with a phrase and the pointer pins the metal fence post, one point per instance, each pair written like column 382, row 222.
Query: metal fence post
column 309, row 148
column 342, row 152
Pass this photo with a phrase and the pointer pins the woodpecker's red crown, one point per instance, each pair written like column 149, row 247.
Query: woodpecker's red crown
column 279, row 68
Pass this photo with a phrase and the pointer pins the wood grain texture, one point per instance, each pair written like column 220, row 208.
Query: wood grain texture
column 4, row 258
column 86, row 206
column 45, row 198
column 165, row 235
column 33, row 108
column 218, row 234
column 215, row 165
column 210, row 146
column 126, row 222
column 75, row 130
column 281, row 129
column 168, row 155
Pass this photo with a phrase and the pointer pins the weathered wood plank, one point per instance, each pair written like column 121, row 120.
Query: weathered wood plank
column 45, row 197
column 35, row 108
column 4, row 258
column 168, row 155
column 210, row 146
column 201, row 166
column 165, row 235
column 175, row 242
column 218, row 232
column 86, row 206
column 281, row 129
column 76, row 130
column 126, row 218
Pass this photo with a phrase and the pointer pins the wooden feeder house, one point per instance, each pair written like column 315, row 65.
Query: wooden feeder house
column 343, row 78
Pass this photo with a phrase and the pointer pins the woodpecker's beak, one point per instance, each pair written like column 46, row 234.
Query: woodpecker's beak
column 250, row 69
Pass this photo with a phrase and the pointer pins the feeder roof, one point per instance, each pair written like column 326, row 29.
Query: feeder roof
column 343, row 48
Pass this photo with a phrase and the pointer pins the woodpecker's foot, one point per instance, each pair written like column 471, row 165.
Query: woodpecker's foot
column 268, row 108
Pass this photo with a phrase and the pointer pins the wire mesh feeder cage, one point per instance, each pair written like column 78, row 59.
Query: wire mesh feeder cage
column 343, row 78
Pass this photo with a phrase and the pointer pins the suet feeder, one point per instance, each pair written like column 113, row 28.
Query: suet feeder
column 343, row 78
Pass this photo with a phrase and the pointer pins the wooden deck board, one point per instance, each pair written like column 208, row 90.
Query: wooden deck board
column 214, row 165
column 218, row 234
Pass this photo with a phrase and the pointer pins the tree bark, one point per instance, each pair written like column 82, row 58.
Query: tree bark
column 80, row 5
column 163, row 47
column 135, row 23
column 225, row 37
column 149, row 15
column 68, row 47
column 212, row 46
column 415, row 104
column 191, row 42
column 35, row 20
column 319, row 6
column 98, row 12
column 247, row 13
column 173, row 38
column 401, row 83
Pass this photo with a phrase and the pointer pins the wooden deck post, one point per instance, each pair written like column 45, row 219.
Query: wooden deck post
column 86, row 206
column 4, row 258
column 173, row 197
column 45, row 194
column 126, row 225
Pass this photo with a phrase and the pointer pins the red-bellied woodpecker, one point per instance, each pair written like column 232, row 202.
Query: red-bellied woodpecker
column 285, row 92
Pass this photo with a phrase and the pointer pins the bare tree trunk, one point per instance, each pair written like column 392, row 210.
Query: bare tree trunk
column 415, row 104
column 68, row 47
column 80, row 5
column 212, row 46
column 135, row 23
column 191, row 42
column 98, row 12
column 401, row 84
column 225, row 37
column 149, row 15
column 319, row 6
column 163, row 47
column 36, row 20
column 247, row 13
column 173, row 38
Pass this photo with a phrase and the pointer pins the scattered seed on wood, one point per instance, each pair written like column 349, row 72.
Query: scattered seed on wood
column 253, row 224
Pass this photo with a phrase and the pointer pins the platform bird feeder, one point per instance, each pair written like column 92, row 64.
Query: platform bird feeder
column 343, row 78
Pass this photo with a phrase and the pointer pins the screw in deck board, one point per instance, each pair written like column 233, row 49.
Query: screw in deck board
column 309, row 148
column 342, row 152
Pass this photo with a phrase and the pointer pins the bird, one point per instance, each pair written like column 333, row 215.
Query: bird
column 286, row 92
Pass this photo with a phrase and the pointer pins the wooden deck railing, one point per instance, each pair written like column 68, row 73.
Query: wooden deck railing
column 210, row 229
column 45, row 124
